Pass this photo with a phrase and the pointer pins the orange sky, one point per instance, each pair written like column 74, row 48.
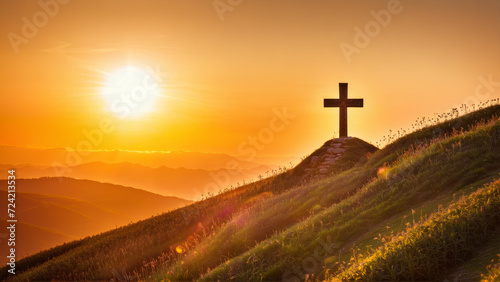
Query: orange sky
column 221, row 79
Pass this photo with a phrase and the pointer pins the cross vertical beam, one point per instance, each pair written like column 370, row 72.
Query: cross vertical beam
column 343, row 110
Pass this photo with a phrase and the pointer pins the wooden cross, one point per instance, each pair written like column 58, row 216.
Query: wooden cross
column 343, row 103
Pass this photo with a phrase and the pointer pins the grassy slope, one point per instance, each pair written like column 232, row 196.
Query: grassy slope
column 282, row 231
column 429, row 249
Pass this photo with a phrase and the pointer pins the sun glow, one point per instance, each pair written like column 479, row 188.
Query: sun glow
column 131, row 92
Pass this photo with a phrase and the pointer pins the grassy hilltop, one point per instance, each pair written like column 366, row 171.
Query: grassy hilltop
column 425, row 207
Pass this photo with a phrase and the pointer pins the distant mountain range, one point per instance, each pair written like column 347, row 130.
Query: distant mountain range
column 180, row 182
column 175, row 159
column 51, row 211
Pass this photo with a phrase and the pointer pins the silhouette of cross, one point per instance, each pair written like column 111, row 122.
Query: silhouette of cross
column 343, row 103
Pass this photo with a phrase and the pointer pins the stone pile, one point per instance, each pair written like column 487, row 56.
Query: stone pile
column 322, row 164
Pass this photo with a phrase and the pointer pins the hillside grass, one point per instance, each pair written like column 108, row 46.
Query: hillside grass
column 427, row 250
column 444, row 165
column 493, row 271
column 285, row 228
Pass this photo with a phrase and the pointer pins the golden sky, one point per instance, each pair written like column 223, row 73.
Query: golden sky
column 227, row 66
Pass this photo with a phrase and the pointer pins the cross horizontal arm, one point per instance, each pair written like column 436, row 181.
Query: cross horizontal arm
column 355, row 103
column 332, row 103
column 348, row 103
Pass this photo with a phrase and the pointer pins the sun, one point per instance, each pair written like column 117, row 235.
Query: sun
column 131, row 91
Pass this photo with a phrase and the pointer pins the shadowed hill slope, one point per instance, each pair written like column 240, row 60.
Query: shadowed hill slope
column 51, row 211
column 131, row 202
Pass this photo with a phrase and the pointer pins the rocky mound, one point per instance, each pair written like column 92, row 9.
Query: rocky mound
column 334, row 156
